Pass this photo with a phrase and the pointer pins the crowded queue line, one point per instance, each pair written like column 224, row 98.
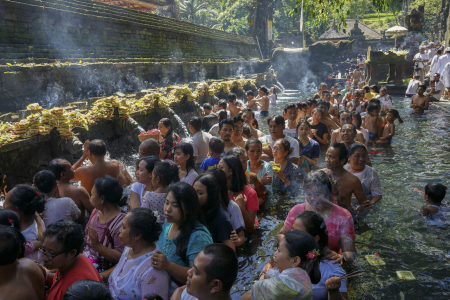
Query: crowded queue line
column 178, row 224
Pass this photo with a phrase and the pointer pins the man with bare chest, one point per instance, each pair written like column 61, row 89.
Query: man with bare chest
column 420, row 102
column 264, row 100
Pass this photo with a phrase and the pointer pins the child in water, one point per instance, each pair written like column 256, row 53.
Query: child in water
column 389, row 128
column 434, row 193
column 373, row 122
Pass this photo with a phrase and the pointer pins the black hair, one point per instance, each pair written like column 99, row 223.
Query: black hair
column 249, row 110
column 68, row 234
column 152, row 296
column 374, row 100
column 357, row 116
column 279, row 120
column 221, row 178
column 87, row 289
column 189, row 206
column 216, row 145
column 345, row 111
column 439, row 51
column 324, row 103
column 212, row 207
column 376, row 89
column 207, row 106
column 366, row 89
column 435, row 191
column 300, row 243
column 264, row 89
column 223, row 115
column 286, row 145
column 394, row 112
column 223, row 265
column 326, row 92
column 322, row 84
column 315, row 226
column 317, row 109
column 167, row 123
column 423, row 86
column 150, row 162
column 303, row 122
column 301, row 104
column 319, row 179
column 371, row 107
column 255, row 123
column 226, row 121
column 27, row 199
column 223, row 104
column 167, row 173
column 353, row 128
column 110, row 188
column 310, row 102
column 251, row 141
column 10, row 245
column 196, row 123
column 238, row 151
column 238, row 180
column 97, row 147
column 231, row 97
column 44, row 181
column 187, row 149
column 246, row 130
column 249, row 93
column 289, row 105
column 142, row 221
column 343, row 152
column 56, row 167
column 355, row 146
column 11, row 219
column 238, row 118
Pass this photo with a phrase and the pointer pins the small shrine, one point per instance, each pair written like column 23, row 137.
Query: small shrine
column 396, row 61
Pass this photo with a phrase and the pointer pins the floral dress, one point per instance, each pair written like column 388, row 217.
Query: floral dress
column 169, row 142
column 255, row 183
column 292, row 174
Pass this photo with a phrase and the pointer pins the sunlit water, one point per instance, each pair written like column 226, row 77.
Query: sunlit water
column 419, row 154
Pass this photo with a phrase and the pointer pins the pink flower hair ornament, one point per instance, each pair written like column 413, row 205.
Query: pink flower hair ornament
column 312, row 254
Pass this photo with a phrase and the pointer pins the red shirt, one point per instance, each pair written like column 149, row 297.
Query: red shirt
column 252, row 203
column 82, row 269
column 339, row 223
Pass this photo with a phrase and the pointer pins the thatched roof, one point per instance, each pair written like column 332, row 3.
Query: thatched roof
column 333, row 34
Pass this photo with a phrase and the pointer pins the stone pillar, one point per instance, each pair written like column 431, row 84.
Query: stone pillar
column 373, row 74
column 185, row 67
column 391, row 75
column 398, row 75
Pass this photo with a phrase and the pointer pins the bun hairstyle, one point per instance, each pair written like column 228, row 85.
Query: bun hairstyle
column 11, row 245
column 11, row 219
column 45, row 181
column 286, row 145
column 27, row 199
column 300, row 243
column 142, row 221
column 87, row 290
column 167, row 173
column 111, row 189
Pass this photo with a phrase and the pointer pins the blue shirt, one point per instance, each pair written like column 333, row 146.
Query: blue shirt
column 210, row 163
column 311, row 150
column 328, row 270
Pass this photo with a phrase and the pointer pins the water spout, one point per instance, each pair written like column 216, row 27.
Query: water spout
column 180, row 124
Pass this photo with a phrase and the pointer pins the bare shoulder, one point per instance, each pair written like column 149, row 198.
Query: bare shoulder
column 115, row 163
column 31, row 268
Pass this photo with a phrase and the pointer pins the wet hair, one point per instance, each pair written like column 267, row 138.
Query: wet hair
column 196, row 123
column 286, row 145
column 238, row 180
column 324, row 103
column 152, row 296
column 223, row 265
column 212, row 207
column 366, row 89
column 264, row 89
column 355, row 146
column 223, row 104
column 315, row 226
column 223, row 115
column 111, row 189
column 371, row 107
column 167, row 123
column 251, row 141
column 303, row 122
column 371, row 101
column 326, row 92
column 322, row 84
column 424, row 87
column 300, row 243
column 238, row 151
column 187, row 149
column 150, row 162
column 343, row 152
column 317, row 109
column 319, row 179
column 249, row 93
column 216, row 145
column 435, row 191
column 353, row 128
column 44, row 181
column 231, row 97
column 226, row 121
column 394, row 112
column 255, row 123
column 97, row 147
column 310, row 102
column 56, row 167
column 189, row 207
column 207, row 106
column 142, row 221
column 27, row 199
column 221, row 178
column 6, row 216
column 376, row 89
column 67, row 234
column 249, row 110
column 439, row 51
column 301, row 105
column 167, row 173
column 289, row 105
column 10, row 245
column 279, row 120
column 87, row 289
column 357, row 116
column 246, row 130
column 238, row 118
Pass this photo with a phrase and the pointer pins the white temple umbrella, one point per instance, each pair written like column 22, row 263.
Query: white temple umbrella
column 397, row 30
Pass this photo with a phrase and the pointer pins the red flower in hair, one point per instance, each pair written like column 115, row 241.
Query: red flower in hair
column 37, row 193
column 310, row 255
column 10, row 221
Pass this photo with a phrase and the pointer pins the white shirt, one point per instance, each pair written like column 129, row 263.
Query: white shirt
column 200, row 143
column 294, row 144
column 31, row 234
column 431, row 53
column 445, row 76
column 439, row 87
column 443, row 60
column 138, row 188
column 60, row 209
column 190, row 177
column 412, row 87
column 434, row 64
column 423, row 56
column 292, row 132
column 186, row 296
column 237, row 220
column 214, row 130
column 273, row 99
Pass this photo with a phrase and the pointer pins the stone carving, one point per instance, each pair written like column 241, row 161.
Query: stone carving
column 415, row 20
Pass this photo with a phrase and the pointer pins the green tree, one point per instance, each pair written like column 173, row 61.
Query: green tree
column 432, row 23
column 191, row 9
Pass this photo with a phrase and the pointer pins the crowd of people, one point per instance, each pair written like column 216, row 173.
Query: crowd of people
column 194, row 202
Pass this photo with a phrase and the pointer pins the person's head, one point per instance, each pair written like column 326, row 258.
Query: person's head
column 421, row 49
column 253, row 147
column 223, row 104
column 348, row 133
column 238, row 125
column 344, row 117
column 295, row 250
column 372, row 109
column 241, row 154
column 25, row 201
column 62, row 169
column 231, row 97
column 366, row 89
column 436, row 77
column 416, row 77
column 281, row 149
column 357, row 156
column 392, row 114
column 226, row 128
column 356, row 119
column 336, row 156
column 216, row 147
column 290, row 111
column 383, row 90
column 357, row 94
column 221, row 178
column 374, row 89
column 232, row 167
column 347, row 84
column 222, row 115
column 263, row 91
column 246, row 132
column 214, row 271
column 165, row 126
column 97, row 148
column 207, row 190
column 311, row 104
column 183, row 208
column 45, row 182
column 438, row 52
column 107, row 191
column 63, row 241
column 360, row 85
column 302, row 108
column 145, row 169
column 87, row 289
column 11, row 219
column 435, row 192
column 195, row 125
column 152, row 296
column 303, row 128
column 318, row 189
column 421, row 89
column 276, row 126
column 325, row 106
column 140, row 227
column 207, row 108
column 149, row 147
column 11, row 245
column 323, row 86
column 250, row 95
column 312, row 223
column 317, row 114
column 326, row 95
column 164, row 174
column 184, row 155
column 248, row 115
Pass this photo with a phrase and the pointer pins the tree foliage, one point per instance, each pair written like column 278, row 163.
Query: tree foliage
column 432, row 10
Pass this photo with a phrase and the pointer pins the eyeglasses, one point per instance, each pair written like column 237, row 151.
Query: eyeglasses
column 48, row 255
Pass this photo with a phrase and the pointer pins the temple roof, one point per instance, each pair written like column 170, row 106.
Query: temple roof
column 138, row 4
column 333, row 34
column 368, row 32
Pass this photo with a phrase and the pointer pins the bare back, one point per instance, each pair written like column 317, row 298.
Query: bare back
column 372, row 123
column 79, row 195
column 88, row 174
column 265, row 103
column 22, row 280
